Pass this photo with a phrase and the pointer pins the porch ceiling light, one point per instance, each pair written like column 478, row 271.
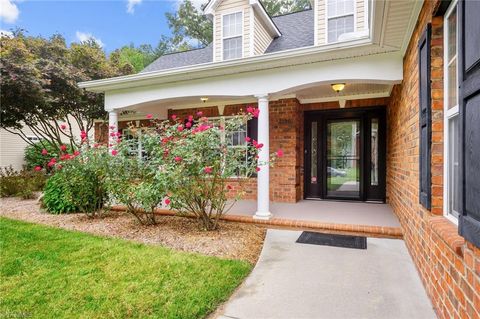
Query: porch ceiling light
column 338, row 87
column 204, row 99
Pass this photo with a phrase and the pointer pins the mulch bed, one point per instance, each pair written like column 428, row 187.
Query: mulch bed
column 232, row 240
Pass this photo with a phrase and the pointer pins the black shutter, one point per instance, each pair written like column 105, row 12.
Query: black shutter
column 252, row 128
column 469, row 80
column 425, row 117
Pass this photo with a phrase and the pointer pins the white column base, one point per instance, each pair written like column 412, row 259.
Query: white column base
column 263, row 215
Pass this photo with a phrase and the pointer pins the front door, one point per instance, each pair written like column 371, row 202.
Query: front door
column 345, row 154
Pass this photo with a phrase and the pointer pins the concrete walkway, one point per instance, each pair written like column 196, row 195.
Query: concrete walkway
column 297, row 281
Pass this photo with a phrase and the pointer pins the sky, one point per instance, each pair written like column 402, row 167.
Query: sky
column 112, row 23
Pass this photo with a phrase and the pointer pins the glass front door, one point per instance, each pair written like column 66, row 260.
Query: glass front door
column 345, row 155
column 343, row 158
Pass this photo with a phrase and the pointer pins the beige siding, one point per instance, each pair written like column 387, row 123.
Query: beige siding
column 262, row 39
column 231, row 6
column 320, row 29
column 361, row 15
column 12, row 146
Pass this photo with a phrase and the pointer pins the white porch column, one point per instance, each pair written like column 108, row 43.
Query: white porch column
column 263, row 177
column 112, row 122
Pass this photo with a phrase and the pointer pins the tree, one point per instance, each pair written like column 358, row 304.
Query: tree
column 279, row 7
column 134, row 59
column 189, row 24
column 39, row 87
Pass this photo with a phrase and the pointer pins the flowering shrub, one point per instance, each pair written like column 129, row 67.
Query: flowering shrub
column 79, row 181
column 135, row 184
column 193, row 162
column 39, row 155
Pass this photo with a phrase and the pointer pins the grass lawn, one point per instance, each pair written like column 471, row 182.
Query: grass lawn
column 47, row 272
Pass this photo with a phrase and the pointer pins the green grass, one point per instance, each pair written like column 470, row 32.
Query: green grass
column 334, row 182
column 47, row 272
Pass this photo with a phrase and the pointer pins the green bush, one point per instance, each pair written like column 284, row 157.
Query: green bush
column 57, row 196
column 34, row 157
column 78, row 183
column 20, row 183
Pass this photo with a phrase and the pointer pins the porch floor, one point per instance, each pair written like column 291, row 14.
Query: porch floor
column 335, row 212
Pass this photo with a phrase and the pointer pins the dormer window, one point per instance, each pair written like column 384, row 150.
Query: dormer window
column 232, row 39
column 340, row 17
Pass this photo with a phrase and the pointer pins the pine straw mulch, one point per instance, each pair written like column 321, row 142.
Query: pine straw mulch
column 232, row 240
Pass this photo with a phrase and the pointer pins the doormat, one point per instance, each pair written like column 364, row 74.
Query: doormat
column 308, row 237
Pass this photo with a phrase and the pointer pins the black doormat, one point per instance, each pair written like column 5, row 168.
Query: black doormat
column 308, row 237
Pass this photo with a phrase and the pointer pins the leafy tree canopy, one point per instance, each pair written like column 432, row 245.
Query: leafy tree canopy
column 39, row 86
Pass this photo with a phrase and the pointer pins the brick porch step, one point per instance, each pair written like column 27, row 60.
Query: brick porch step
column 283, row 223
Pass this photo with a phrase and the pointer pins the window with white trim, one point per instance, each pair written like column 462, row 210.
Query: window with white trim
column 340, row 18
column 451, row 117
column 232, row 30
column 134, row 140
column 234, row 139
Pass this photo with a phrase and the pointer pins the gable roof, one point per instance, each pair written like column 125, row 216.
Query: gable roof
column 297, row 32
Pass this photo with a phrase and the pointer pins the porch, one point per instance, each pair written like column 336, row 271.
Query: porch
column 370, row 219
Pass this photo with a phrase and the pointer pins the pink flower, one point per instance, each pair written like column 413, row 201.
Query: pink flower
column 167, row 201
column 257, row 169
column 149, row 116
column 180, row 128
column 259, row 146
column 174, row 117
column 199, row 113
column 256, row 113
column 63, row 148
column 255, row 143
column 76, row 153
column 247, row 139
column 114, row 152
column 53, row 160
column 207, row 170
column 188, row 124
column 38, row 168
column 44, row 152
column 59, row 166
column 178, row 159
column 50, row 164
column 280, row 152
column 63, row 127
column 190, row 118
column 250, row 109
column 83, row 135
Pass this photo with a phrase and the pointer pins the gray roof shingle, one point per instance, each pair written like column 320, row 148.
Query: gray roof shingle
column 297, row 32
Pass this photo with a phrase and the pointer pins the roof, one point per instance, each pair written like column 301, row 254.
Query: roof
column 297, row 32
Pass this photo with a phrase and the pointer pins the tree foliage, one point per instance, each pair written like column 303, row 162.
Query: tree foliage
column 39, row 86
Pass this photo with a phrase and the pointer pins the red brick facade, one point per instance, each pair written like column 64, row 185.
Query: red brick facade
column 449, row 267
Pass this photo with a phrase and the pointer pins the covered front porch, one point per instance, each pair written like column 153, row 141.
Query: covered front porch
column 284, row 97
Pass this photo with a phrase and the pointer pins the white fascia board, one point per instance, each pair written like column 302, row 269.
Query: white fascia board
column 258, row 62
column 386, row 68
column 211, row 6
column 417, row 7
column 260, row 10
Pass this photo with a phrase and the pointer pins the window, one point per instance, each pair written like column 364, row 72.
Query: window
column 232, row 36
column 134, row 139
column 341, row 18
column 451, row 117
column 235, row 140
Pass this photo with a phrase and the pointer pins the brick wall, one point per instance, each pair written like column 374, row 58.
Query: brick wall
column 449, row 267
